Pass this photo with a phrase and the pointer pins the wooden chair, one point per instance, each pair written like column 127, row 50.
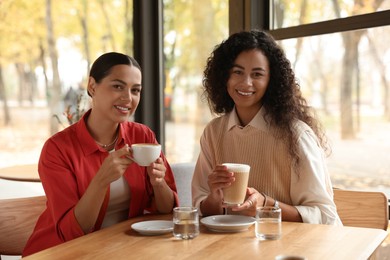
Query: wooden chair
column 17, row 221
column 362, row 208
column 183, row 177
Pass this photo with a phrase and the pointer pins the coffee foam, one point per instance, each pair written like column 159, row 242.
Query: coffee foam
column 237, row 167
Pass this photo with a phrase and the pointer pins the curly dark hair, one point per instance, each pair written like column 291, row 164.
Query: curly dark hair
column 282, row 100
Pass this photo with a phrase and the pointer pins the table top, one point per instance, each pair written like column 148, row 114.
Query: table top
column 312, row 241
column 25, row 172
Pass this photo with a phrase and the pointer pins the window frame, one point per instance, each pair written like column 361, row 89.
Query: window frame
column 257, row 14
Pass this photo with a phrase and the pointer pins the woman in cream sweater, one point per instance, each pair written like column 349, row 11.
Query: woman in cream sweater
column 266, row 123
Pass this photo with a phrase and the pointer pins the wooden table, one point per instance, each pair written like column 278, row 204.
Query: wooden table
column 26, row 172
column 309, row 240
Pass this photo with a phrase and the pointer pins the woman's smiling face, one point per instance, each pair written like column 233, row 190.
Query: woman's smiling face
column 248, row 81
column 118, row 94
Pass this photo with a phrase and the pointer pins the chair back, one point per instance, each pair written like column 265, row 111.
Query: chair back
column 183, row 177
column 362, row 208
column 17, row 221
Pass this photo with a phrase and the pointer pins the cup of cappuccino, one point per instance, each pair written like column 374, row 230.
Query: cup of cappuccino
column 145, row 153
column 234, row 195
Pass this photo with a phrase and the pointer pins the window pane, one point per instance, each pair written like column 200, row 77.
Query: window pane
column 25, row 116
column 191, row 30
column 357, row 124
column 288, row 13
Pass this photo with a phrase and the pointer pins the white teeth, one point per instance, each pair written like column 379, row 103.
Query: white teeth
column 122, row 108
column 244, row 93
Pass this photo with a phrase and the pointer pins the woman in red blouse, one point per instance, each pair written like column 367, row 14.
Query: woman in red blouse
column 89, row 180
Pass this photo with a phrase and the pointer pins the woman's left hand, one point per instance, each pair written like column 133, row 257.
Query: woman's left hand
column 156, row 172
column 252, row 201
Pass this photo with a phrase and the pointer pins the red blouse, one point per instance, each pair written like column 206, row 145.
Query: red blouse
column 68, row 162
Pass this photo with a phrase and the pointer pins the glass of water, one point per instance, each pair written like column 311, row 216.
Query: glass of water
column 185, row 222
column 268, row 225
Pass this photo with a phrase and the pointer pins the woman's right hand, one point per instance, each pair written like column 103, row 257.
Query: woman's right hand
column 220, row 178
column 217, row 180
column 114, row 166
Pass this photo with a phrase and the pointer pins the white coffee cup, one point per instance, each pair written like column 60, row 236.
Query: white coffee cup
column 145, row 153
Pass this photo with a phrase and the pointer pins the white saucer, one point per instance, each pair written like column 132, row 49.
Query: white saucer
column 228, row 223
column 153, row 227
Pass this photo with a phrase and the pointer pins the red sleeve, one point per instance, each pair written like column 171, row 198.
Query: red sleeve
column 57, row 223
column 61, row 191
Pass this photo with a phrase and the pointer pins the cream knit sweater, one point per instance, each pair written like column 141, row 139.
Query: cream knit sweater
column 309, row 189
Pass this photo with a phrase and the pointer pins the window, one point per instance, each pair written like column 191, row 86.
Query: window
column 25, row 115
column 191, row 30
column 351, row 95
column 359, row 158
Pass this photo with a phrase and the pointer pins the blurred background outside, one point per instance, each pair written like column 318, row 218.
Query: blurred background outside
column 46, row 50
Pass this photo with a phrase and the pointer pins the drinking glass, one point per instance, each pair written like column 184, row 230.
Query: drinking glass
column 185, row 222
column 234, row 195
column 268, row 225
